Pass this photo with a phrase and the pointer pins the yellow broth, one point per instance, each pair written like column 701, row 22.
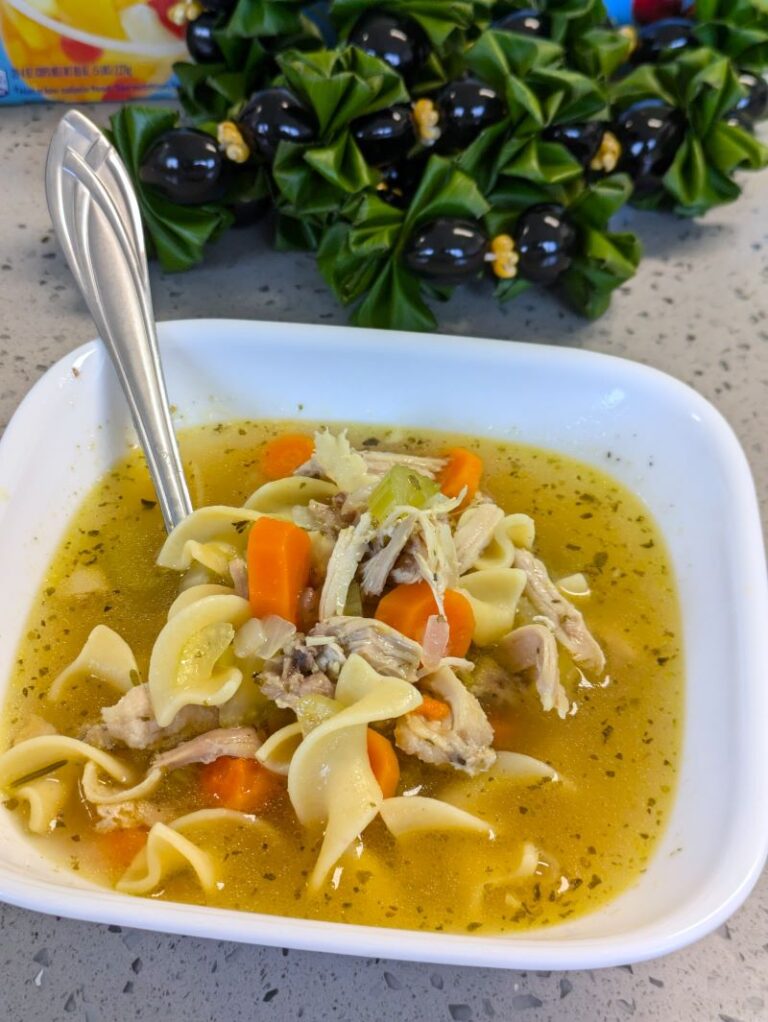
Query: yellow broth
column 618, row 752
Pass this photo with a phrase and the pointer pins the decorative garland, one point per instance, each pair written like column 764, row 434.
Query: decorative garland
column 418, row 144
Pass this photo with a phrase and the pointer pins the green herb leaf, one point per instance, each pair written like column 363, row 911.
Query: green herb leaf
column 497, row 56
column 703, row 86
column 215, row 90
column 736, row 28
column 540, row 162
column 176, row 234
column 360, row 258
column 296, row 234
column 595, row 205
column 34, row 775
column 317, row 178
column 605, row 261
column 600, row 52
column 266, row 18
column 395, row 302
column 444, row 191
column 341, row 86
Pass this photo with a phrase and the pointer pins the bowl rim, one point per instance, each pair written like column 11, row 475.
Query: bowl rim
column 532, row 949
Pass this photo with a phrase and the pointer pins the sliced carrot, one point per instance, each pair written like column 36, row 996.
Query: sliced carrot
column 234, row 782
column 461, row 621
column 408, row 608
column 283, row 455
column 122, row 846
column 505, row 731
column 463, row 469
column 279, row 555
column 384, row 762
column 433, row 709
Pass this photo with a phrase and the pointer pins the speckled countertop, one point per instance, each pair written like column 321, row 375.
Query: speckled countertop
column 697, row 309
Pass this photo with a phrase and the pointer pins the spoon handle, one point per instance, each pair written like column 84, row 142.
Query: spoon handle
column 97, row 221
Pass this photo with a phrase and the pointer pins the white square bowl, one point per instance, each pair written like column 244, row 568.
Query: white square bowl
column 656, row 435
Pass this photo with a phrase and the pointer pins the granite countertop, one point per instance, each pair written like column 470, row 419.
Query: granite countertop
column 698, row 309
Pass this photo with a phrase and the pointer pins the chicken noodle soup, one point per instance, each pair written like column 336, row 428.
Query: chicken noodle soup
column 381, row 677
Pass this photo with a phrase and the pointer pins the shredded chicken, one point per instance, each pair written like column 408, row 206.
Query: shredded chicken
column 131, row 722
column 430, row 553
column 342, row 567
column 377, row 568
column 438, row 564
column 378, row 463
column 334, row 458
column 347, row 467
column 532, row 650
column 243, row 742
column 474, row 532
column 463, row 740
column 300, row 672
column 385, row 649
column 567, row 622
column 124, row 815
column 326, row 519
column 406, row 570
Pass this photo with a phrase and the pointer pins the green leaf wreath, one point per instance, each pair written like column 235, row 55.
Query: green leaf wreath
column 558, row 139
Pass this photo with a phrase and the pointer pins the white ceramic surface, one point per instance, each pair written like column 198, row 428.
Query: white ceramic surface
column 653, row 433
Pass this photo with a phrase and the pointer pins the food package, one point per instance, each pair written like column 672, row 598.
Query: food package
column 87, row 50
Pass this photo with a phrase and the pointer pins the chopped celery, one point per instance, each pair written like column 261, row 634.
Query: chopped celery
column 401, row 485
column 354, row 605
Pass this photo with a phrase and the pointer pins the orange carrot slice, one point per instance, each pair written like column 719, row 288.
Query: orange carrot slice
column 279, row 555
column 384, row 762
column 463, row 469
column 433, row 709
column 408, row 608
column 283, row 455
column 234, row 782
column 122, row 846
column 505, row 731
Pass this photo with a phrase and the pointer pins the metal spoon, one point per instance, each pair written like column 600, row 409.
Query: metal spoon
column 97, row 221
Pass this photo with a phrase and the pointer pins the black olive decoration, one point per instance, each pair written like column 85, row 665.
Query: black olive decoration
column 272, row 116
column 581, row 140
column 398, row 41
column 661, row 39
column 400, row 180
column 220, row 6
column 465, row 108
column 544, row 242
column 385, row 136
column 201, row 43
column 447, row 251
column 650, row 133
column 755, row 104
column 527, row 21
column 186, row 166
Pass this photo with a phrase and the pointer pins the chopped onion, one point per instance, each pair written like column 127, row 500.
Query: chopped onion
column 262, row 637
column 238, row 569
column 435, row 641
